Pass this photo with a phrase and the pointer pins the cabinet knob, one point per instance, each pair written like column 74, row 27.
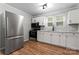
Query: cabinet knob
column 70, row 21
column 73, row 33
column 50, row 34
column 59, row 35
column 66, row 36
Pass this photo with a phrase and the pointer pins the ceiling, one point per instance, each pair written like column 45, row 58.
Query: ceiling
column 36, row 8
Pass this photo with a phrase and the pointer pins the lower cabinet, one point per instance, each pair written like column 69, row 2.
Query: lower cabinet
column 69, row 40
column 58, row 39
column 47, row 38
column 72, row 41
column 40, row 36
column 62, row 40
column 55, row 39
column 77, row 41
column 43, row 37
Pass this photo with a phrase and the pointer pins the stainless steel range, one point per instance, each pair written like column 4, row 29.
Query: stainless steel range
column 33, row 32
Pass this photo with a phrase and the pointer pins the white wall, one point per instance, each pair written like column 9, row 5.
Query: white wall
column 27, row 18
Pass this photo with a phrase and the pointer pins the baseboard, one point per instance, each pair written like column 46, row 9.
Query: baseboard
column 60, row 46
column 2, row 48
column 25, row 40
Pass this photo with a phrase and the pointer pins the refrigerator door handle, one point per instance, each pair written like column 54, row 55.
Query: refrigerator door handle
column 14, row 37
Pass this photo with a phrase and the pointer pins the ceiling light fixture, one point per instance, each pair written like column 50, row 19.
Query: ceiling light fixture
column 44, row 6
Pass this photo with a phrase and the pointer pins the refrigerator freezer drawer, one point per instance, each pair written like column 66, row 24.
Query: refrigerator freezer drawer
column 13, row 44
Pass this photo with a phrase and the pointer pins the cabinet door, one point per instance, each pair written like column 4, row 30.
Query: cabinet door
column 37, row 19
column 43, row 37
column 39, row 36
column 52, row 38
column 47, row 37
column 73, row 17
column 33, row 20
column 62, row 39
column 71, row 41
column 55, row 38
column 77, row 41
column 40, row 20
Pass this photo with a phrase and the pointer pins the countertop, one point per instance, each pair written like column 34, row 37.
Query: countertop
column 58, row 31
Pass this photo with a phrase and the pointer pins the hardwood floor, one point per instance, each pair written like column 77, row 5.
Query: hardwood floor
column 38, row 48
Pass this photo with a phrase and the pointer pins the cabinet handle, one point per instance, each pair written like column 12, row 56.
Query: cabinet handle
column 59, row 35
column 66, row 36
column 50, row 34
column 73, row 33
column 70, row 21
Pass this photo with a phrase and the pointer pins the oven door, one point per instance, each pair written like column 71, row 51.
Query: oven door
column 33, row 34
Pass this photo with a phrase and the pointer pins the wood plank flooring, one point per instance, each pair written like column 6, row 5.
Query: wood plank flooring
column 38, row 48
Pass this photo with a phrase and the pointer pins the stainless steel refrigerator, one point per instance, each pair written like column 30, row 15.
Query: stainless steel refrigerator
column 11, row 32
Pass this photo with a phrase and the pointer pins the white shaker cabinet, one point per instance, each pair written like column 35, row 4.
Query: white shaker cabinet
column 77, row 41
column 41, row 20
column 33, row 20
column 68, row 39
column 43, row 37
column 71, row 40
column 47, row 38
column 62, row 40
column 55, row 39
column 40, row 36
column 73, row 17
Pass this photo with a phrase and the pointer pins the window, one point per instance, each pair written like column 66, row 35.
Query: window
column 56, row 20
column 50, row 24
column 50, row 20
column 59, row 23
column 59, row 20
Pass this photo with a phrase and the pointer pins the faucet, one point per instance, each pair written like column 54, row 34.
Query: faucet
column 53, row 28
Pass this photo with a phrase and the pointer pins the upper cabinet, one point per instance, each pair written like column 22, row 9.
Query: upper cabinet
column 50, row 21
column 33, row 20
column 73, row 17
column 41, row 20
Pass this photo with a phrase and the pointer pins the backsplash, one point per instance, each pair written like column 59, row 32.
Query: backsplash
column 67, row 28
